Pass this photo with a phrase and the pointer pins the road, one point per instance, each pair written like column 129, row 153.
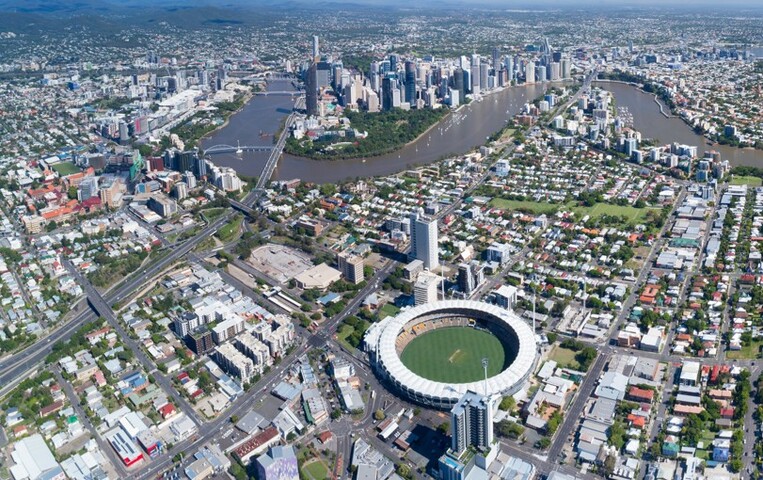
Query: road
column 575, row 411
column 102, row 444
column 209, row 430
column 270, row 165
column 16, row 368
column 105, row 311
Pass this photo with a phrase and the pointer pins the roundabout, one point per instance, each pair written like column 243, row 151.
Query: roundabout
column 433, row 353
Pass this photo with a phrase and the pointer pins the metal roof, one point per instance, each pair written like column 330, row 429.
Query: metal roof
column 382, row 341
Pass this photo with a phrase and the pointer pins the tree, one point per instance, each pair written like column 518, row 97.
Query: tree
column 585, row 357
column 509, row 429
column 609, row 464
column 444, row 428
column 508, row 404
column 403, row 470
column 553, row 422
column 617, row 435
column 238, row 471
column 552, row 336
column 379, row 415
column 146, row 150
column 692, row 429
column 543, row 443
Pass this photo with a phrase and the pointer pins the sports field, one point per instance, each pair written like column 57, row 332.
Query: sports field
column 65, row 168
column 454, row 355
column 633, row 215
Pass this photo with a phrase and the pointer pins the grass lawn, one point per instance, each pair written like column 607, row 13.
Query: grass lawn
column 703, row 454
column 507, row 134
column 65, row 168
column 707, row 437
column 454, row 355
column 526, row 205
column 228, row 232
column 564, row 357
column 746, row 180
column 388, row 310
column 342, row 334
column 211, row 213
column 634, row 215
column 747, row 352
column 316, row 470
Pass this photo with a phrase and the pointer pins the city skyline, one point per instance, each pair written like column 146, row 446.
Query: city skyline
column 359, row 241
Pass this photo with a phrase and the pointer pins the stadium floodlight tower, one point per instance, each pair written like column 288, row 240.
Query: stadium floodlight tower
column 533, row 311
column 484, row 366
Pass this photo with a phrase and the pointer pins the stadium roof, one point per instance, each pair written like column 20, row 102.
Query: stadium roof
column 381, row 339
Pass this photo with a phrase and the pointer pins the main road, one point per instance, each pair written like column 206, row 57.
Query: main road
column 104, row 310
column 23, row 364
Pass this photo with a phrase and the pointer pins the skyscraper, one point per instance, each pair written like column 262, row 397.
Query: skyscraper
column 424, row 240
column 184, row 161
column 465, row 279
column 471, row 421
column 316, row 48
column 556, row 71
column 458, row 83
column 530, row 72
column 200, row 168
column 393, row 63
column 541, row 74
column 484, row 74
column 566, row 68
column 336, row 76
column 410, row 82
column 475, row 73
column 496, row 57
column 323, row 73
column 311, row 91
column 388, row 85
column 509, row 62
column 545, row 46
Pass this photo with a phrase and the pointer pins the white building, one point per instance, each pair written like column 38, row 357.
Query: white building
column 33, row 460
column 234, row 362
column 424, row 240
column 425, row 288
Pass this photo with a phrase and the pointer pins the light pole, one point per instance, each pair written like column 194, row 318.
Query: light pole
column 484, row 366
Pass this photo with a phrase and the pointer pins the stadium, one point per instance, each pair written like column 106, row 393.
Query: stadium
column 432, row 354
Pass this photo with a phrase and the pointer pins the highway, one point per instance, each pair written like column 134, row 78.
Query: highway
column 18, row 367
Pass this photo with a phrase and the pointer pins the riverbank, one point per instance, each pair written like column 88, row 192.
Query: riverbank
column 462, row 109
column 386, row 132
column 713, row 140
column 458, row 132
column 639, row 86
column 395, row 149
column 653, row 124
column 227, row 118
